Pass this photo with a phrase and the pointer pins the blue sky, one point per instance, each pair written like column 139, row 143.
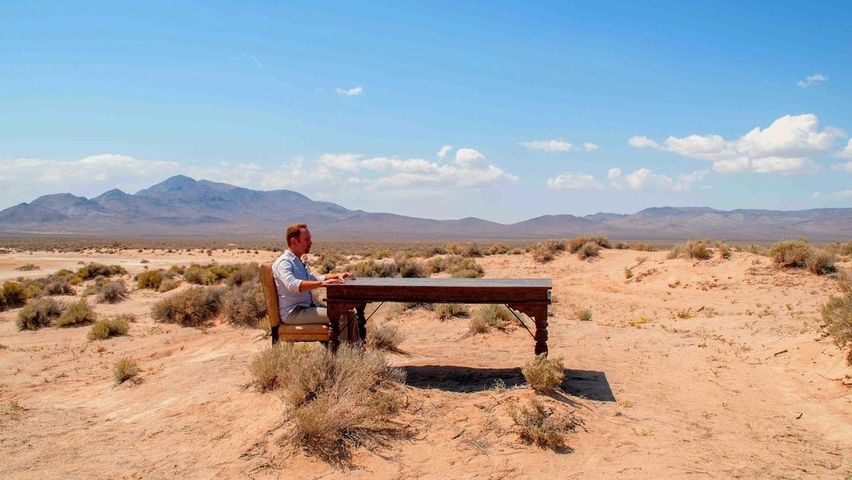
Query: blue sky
column 545, row 108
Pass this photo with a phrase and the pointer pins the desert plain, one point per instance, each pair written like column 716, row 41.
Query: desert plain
column 688, row 369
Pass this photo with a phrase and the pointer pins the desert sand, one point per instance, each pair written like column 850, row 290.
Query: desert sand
column 710, row 369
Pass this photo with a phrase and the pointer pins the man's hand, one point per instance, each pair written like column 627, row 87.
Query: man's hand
column 340, row 276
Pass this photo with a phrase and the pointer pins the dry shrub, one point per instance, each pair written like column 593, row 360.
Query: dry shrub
column 446, row 311
column 124, row 370
column 457, row 266
column 244, row 305
column 588, row 250
column 372, row 268
column 109, row 327
column 244, row 273
column 546, row 251
column 37, row 314
column 384, row 337
column 2, row 301
column 821, row 263
column 198, row 275
column 150, row 279
column 537, row 424
column 168, row 284
column 692, row 249
column 56, row 285
column 791, row 253
column 584, row 315
column 643, row 247
column 13, row 294
column 28, row 267
column 77, row 313
column 113, row 291
column 723, row 251
column 490, row 316
column 190, row 308
column 544, row 374
column 411, row 268
column 92, row 270
column 837, row 315
column 497, row 249
column 336, row 401
column 574, row 244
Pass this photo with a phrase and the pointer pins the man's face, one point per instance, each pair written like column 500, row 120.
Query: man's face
column 302, row 245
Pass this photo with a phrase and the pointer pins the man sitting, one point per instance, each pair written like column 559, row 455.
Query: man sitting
column 294, row 283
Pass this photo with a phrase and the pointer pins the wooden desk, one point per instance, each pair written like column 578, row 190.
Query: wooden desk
column 527, row 295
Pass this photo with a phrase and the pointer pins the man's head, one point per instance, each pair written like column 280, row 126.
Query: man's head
column 298, row 239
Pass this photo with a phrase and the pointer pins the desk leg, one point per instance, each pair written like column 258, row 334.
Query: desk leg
column 334, row 312
column 362, row 323
column 540, row 316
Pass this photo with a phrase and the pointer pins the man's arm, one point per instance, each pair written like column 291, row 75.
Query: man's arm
column 330, row 279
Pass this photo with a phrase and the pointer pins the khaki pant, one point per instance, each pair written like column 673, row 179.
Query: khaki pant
column 319, row 316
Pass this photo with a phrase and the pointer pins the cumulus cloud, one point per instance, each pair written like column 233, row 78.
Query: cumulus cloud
column 548, row 145
column 469, row 157
column 639, row 141
column 645, row 179
column 573, row 180
column 442, row 153
column 556, row 145
column 783, row 147
column 812, row 80
column 846, row 152
column 839, row 196
column 350, row 92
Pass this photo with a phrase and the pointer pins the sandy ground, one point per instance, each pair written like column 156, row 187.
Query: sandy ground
column 687, row 370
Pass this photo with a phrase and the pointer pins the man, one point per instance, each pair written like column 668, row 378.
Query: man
column 294, row 283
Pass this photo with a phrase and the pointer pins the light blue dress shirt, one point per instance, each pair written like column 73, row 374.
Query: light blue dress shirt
column 289, row 273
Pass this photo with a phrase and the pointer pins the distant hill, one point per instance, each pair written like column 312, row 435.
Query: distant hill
column 181, row 206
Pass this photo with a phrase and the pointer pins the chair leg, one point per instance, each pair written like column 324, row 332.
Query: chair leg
column 274, row 333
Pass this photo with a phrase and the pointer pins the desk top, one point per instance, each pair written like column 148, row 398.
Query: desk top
column 447, row 282
column 442, row 290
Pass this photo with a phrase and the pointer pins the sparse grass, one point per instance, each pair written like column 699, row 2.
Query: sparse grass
column 336, row 401
column 77, row 313
column 38, row 313
column 190, row 308
column 584, row 315
column 109, row 327
column 244, row 305
column 538, row 425
column 446, row 311
column 385, row 337
column 27, row 267
column 723, row 251
column 628, row 273
column 113, row 291
column 124, row 370
column 837, row 316
column 544, row 374
column 486, row 317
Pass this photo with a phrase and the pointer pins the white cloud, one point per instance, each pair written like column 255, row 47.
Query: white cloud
column 573, row 181
column 347, row 162
column 639, row 141
column 548, row 145
column 350, row 92
column 783, row 147
column 812, row 80
column 442, row 153
column 839, row 196
column 645, row 179
column 842, row 167
column 846, row 152
column 469, row 156
column 590, row 147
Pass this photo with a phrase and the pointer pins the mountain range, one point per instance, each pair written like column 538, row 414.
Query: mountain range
column 181, row 207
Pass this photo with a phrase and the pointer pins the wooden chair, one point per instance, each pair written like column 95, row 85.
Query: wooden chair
column 289, row 333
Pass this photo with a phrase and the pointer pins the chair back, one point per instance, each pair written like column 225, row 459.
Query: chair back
column 270, row 293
